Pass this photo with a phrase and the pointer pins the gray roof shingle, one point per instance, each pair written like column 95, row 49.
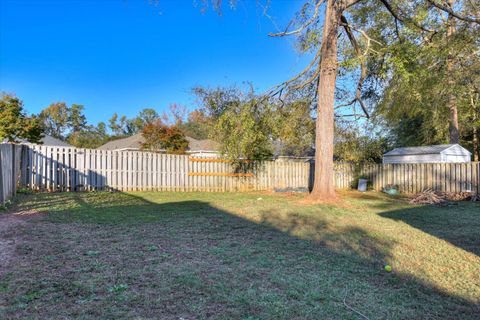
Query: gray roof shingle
column 420, row 150
column 46, row 141
column 131, row 142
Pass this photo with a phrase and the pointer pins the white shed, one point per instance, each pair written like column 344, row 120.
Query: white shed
column 428, row 154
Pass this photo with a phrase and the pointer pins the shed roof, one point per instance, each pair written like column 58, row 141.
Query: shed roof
column 439, row 148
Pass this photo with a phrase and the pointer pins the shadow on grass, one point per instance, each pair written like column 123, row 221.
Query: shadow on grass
column 458, row 224
column 114, row 255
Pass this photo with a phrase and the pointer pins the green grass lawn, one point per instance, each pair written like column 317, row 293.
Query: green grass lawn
column 152, row 255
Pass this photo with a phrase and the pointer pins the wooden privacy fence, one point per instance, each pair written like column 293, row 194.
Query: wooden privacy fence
column 71, row 169
column 9, row 170
column 47, row 168
column 413, row 178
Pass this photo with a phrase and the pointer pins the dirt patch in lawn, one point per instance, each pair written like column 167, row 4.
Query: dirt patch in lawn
column 8, row 222
column 9, row 240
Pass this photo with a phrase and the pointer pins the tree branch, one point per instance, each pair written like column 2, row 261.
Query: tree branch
column 397, row 17
column 450, row 11
column 363, row 67
column 351, row 3
column 306, row 24
column 274, row 91
column 309, row 80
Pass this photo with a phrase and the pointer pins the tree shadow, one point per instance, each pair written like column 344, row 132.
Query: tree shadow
column 459, row 224
column 195, row 259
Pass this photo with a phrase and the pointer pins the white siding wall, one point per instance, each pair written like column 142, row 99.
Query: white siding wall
column 456, row 154
column 457, row 158
column 456, row 150
column 414, row 158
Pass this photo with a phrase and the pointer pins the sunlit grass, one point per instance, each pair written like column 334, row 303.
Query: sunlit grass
column 241, row 255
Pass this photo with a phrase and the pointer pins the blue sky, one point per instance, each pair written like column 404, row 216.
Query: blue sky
column 125, row 55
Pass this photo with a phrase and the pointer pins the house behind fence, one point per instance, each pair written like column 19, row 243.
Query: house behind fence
column 47, row 168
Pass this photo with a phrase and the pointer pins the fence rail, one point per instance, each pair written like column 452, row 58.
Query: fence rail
column 47, row 168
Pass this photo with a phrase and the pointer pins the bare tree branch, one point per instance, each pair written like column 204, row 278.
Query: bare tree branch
column 355, row 115
column 363, row 67
column 306, row 24
column 364, row 34
column 449, row 10
column 274, row 91
column 314, row 76
column 346, row 104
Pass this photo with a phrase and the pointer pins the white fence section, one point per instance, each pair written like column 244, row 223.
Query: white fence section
column 71, row 169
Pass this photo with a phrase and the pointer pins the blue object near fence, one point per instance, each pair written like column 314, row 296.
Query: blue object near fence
column 362, row 185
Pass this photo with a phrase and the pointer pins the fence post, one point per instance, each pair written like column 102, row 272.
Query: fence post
column 14, row 173
column 2, row 187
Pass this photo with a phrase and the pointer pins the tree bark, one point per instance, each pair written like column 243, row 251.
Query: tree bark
column 452, row 99
column 323, row 187
column 476, row 148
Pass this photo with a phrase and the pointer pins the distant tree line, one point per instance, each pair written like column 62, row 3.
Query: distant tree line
column 246, row 125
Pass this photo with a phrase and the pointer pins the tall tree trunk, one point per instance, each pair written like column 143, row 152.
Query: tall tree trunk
column 323, row 187
column 476, row 148
column 452, row 99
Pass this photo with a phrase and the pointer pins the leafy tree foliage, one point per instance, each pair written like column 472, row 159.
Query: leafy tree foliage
column 294, row 128
column 424, row 78
column 55, row 119
column 89, row 137
column 245, row 130
column 61, row 121
column 197, row 125
column 76, row 119
column 117, row 125
column 125, row 127
column 147, row 116
column 158, row 136
column 241, row 122
column 355, row 147
column 15, row 124
column 349, row 34
column 250, row 126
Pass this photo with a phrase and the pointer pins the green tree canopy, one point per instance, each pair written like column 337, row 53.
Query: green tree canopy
column 55, row 119
column 15, row 124
column 250, row 126
column 89, row 136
